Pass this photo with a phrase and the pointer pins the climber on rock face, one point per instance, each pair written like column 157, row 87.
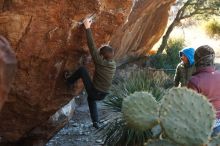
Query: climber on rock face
column 105, row 67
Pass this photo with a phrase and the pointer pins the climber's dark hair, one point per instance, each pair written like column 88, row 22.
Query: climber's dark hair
column 106, row 49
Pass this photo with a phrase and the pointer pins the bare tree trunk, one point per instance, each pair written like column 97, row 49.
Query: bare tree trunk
column 167, row 35
column 176, row 21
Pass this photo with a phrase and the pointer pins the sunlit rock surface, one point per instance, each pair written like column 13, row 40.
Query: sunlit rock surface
column 48, row 39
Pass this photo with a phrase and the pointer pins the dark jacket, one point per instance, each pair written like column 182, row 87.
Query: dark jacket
column 207, row 82
column 183, row 74
column 185, row 71
column 104, row 69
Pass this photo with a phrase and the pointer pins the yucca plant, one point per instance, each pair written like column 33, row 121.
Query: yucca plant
column 142, row 80
column 116, row 132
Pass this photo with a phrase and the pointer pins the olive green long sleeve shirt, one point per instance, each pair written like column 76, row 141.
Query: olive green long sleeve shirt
column 183, row 74
column 104, row 69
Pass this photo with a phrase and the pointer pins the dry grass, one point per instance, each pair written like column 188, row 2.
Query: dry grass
column 212, row 28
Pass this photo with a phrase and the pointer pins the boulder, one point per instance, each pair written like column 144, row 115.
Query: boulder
column 47, row 38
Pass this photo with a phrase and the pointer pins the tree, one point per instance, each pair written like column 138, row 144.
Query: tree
column 188, row 9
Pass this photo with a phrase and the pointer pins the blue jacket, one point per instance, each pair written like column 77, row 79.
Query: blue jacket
column 189, row 53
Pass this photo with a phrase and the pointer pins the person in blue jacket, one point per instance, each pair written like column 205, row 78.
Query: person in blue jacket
column 185, row 68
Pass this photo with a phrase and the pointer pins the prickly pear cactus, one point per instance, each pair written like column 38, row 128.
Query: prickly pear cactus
column 160, row 143
column 215, row 141
column 140, row 111
column 187, row 117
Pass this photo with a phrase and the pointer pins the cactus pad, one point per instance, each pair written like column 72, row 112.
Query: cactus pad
column 186, row 116
column 160, row 143
column 140, row 111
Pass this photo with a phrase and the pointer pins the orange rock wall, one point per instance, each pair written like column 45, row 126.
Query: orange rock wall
column 47, row 40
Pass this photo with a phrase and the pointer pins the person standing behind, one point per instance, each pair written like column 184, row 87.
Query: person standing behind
column 206, row 80
column 105, row 68
column 185, row 68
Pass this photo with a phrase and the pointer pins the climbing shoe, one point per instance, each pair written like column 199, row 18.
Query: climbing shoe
column 96, row 125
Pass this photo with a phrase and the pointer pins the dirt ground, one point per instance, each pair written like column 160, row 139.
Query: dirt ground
column 79, row 130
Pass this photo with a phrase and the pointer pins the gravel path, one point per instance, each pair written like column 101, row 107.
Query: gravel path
column 79, row 131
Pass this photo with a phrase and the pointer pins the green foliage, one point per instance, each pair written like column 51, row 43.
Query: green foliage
column 190, row 9
column 173, row 47
column 170, row 58
column 159, row 61
column 172, row 50
column 181, row 115
column 116, row 131
column 141, row 80
column 140, row 111
column 212, row 28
